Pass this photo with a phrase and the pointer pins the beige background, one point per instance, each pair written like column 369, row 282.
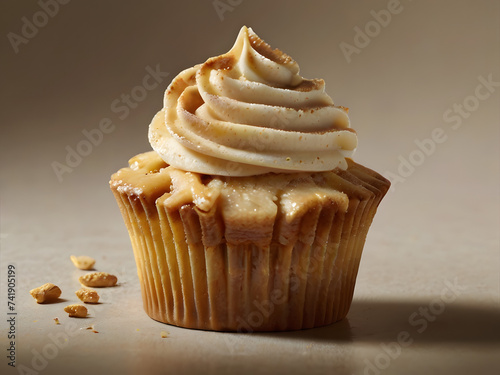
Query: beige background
column 438, row 227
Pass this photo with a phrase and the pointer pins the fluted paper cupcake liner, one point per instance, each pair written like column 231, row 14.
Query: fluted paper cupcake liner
column 298, row 271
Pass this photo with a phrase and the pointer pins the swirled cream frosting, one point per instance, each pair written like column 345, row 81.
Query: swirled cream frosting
column 249, row 112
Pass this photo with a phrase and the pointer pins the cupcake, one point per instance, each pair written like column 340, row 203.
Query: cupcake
column 249, row 214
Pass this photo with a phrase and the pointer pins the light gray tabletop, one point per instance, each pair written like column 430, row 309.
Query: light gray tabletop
column 423, row 94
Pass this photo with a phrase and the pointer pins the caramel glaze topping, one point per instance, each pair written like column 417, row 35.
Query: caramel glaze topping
column 247, row 200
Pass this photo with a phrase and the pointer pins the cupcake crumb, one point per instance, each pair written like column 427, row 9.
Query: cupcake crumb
column 98, row 279
column 76, row 311
column 46, row 293
column 164, row 334
column 83, row 262
column 87, row 295
column 56, row 320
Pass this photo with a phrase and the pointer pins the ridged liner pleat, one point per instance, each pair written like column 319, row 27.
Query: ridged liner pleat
column 299, row 267
column 168, row 260
column 196, row 251
column 302, row 276
column 315, row 294
column 135, row 238
column 331, row 253
column 185, row 311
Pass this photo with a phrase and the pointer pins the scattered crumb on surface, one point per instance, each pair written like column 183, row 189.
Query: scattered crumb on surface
column 98, row 279
column 87, row 295
column 56, row 320
column 76, row 311
column 164, row 334
column 89, row 328
column 83, row 262
column 46, row 293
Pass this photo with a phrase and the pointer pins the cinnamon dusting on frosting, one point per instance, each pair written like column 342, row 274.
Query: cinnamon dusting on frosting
column 249, row 112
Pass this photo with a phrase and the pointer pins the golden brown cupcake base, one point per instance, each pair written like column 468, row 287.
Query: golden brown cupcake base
column 266, row 253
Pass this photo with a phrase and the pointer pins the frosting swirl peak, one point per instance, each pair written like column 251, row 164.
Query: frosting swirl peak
column 249, row 112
